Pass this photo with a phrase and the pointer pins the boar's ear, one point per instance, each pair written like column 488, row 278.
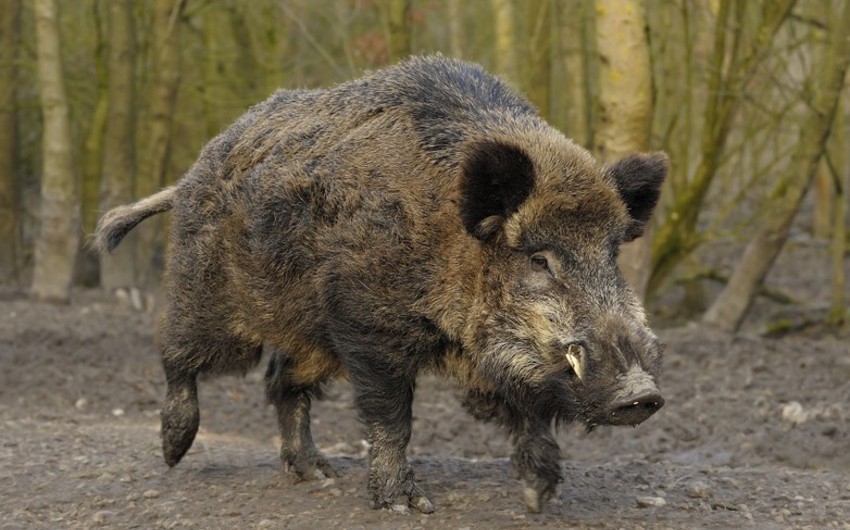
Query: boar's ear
column 638, row 179
column 495, row 180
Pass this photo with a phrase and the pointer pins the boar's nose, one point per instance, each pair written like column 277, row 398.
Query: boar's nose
column 636, row 408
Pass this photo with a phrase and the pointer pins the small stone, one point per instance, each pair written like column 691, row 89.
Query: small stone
column 265, row 523
column 117, row 412
column 698, row 490
column 150, row 494
column 794, row 413
column 102, row 517
column 335, row 492
column 81, row 403
column 650, row 502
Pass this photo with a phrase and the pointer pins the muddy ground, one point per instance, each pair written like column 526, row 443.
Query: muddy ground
column 755, row 433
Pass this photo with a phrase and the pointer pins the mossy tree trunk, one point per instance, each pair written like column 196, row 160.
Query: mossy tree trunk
column 10, row 18
column 506, row 60
column 537, row 80
column 151, row 176
column 88, row 265
column 397, row 14
column 117, row 270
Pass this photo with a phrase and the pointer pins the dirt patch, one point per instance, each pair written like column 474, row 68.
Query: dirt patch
column 755, row 433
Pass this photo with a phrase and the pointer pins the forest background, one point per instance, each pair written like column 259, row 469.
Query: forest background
column 106, row 101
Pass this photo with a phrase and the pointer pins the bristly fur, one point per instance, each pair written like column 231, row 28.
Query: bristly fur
column 390, row 225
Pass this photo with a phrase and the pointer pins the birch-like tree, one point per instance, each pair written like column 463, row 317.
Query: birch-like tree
column 625, row 105
column 59, row 234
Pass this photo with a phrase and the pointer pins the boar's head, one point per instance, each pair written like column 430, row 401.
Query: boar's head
column 559, row 332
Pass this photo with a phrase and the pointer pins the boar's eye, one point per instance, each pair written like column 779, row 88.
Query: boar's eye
column 540, row 264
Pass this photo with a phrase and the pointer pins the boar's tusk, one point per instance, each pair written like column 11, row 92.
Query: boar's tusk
column 575, row 356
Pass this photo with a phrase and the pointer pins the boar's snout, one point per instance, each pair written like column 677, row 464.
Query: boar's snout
column 635, row 408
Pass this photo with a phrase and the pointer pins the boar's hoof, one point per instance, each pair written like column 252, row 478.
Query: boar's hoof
column 416, row 499
column 307, row 464
column 536, row 495
column 180, row 420
column 399, row 495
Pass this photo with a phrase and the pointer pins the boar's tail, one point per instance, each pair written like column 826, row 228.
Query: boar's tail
column 115, row 223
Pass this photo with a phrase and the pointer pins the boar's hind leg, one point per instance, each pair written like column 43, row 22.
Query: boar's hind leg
column 536, row 457
column 180, row 415
column 292, row 402
column 384, row 398
column 188, row 351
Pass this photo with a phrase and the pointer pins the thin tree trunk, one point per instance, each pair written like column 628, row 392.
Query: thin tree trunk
column 117, row 269
column 573, row 40
column 730, row 308
column 840, row 174
column 398, row 29
column 219, row 66
column 165, row 80
column 10, row 17
column 822, row 215
column 504, row 15
column 625, row 105
column 88, row 265
column 59, row 235
column 539, row 65
column 457, row 32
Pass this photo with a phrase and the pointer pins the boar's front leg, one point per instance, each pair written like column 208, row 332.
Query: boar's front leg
column 536, row 457
column 292, row 402
column 384, row 398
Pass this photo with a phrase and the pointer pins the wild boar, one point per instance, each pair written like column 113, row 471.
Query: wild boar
column 423, row 217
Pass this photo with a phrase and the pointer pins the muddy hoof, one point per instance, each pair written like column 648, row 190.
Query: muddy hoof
column 180, row 420
column 307, row 465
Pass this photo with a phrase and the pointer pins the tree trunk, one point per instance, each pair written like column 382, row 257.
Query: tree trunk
column 822, row 215
column 88, row 264
column 117, row 270
column 59, row 235
column 840, row 174
column 165, row 80
column 573, row 44
column 457, row 31
column 219, row 67
column 825, row 83
column 538, row 78
column 625, row 105
column 10, row 19
column 398, row 29
column 504, row 14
